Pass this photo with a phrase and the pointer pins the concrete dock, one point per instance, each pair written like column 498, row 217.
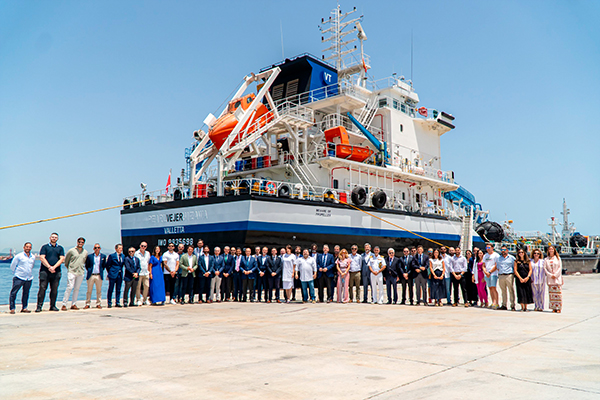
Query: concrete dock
column 305, row 351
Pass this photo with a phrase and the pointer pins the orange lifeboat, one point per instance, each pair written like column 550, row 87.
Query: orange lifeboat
column 344, row 149
column 219, row 132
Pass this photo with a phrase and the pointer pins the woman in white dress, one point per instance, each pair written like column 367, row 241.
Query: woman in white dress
column 287, row 275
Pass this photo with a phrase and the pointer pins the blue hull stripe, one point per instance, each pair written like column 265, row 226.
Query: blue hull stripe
column 282, row 227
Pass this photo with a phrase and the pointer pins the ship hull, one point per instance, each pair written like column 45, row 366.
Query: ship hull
column 250, row 220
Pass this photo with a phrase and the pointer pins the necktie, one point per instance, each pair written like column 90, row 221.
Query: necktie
column 119, row 258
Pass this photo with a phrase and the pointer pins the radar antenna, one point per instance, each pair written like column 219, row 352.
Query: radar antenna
column 334, row 31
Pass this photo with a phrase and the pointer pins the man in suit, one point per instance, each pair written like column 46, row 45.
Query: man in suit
column 95, row 264
column 132, row 273
column 227, row 278
column 406, row 275
column 114, row 268
column 262, row 282
column 216, row 276
column 237, row 275
column 366, row 273
column 198, row 251
column 421, row 268
column 274, row 268
column 325, row 265
column 249, row 273
column 391, row 276
column 188, row 265
column 206, row 265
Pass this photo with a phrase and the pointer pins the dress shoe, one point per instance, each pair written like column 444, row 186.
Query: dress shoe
column 53, row 308
column 502, row 308
column 279, row 301
column 99, row 307
column 74, row 307
column 133, row 305
column 12, row 311
column 268, row 301
column 124, row 305
column 403, row 303
column 109, row 305
column 39, row 309
column 26, row 311
column 86, row 307
column 118, row 305
column 63, row 308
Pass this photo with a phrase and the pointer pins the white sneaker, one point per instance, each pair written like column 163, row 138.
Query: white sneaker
column 173, row 301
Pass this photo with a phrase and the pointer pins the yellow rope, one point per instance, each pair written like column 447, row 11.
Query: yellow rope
column 391, row 223
column 66, row 216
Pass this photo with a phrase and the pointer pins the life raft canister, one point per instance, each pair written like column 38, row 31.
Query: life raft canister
column 440, row 173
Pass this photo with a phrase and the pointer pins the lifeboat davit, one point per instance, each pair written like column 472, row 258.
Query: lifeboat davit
column 344, row 149
column 220, row 130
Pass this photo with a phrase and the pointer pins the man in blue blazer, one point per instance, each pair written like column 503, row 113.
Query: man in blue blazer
column 95, row 264
column 366, row 272
column 274, row 269
column 227, row 277
column 132, row 270
column 262, row 262
column 217, row 276
column 391, row 276
column 206, row 267
column 114, row 268
column 406, row 275
column 325, row 266
column 249, row 273
column 237, row 272
column 421, row 271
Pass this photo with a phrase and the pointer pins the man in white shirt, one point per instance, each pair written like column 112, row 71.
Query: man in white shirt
column 376, row 266
column 144, row 282
column 355, row 272
column 22, row 267
column 171, row 265
column 459, row 268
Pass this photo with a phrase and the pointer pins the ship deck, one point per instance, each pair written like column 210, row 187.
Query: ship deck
column 264, row 351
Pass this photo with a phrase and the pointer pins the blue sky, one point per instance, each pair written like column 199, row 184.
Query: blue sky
column 96, row 97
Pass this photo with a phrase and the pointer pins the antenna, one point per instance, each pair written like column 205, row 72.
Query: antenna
column 336, row 33
column 281, row 29
column 411, row 58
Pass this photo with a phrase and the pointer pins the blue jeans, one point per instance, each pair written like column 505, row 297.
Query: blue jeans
column 17, row 285
column 448, row 284
column 310, row 285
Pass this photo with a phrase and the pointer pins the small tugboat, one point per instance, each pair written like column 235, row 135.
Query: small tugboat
column 7, row 259
column 312, row 149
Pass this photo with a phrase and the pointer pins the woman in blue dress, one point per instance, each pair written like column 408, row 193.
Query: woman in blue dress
column 157, row 282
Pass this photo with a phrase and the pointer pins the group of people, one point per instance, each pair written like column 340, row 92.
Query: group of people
column 192, row 274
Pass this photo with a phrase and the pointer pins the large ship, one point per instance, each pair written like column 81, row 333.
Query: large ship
column 311, row 149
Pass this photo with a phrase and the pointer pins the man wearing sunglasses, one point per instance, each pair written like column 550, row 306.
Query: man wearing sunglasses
column 75, row 264
column 95, row 264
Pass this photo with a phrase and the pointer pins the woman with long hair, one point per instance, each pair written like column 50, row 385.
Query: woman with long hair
column 523, row 279
column 553, row 267
column 157, row 282
column 479, row 279
column 538, row 284
column 437, row 270
column 343, row 267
